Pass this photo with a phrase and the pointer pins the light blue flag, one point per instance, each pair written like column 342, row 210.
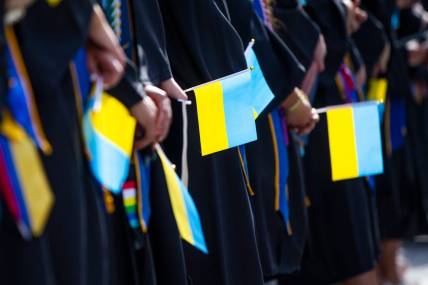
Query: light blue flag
column 261, row 94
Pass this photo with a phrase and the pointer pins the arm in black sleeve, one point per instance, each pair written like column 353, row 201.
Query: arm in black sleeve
column 129, row 90
column 371, row 40
column 296, row 28
column 330, row 18
column 150, row 35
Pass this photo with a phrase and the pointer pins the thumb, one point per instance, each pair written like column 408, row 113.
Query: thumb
column 173, row 90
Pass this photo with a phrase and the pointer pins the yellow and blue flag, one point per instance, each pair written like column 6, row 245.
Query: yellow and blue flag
column 354, row 140
column 225, row 115
column 109, row 136
column 183, row 207
column 261, row 94
column 23, row 182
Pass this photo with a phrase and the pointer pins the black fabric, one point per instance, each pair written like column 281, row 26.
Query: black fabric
column 398, row 189
column 130, row 88
column 280, row 252
column 330, row 19
column 342, row 219
column 76, row 246
column 297, row 29
column 370, row 40
column 342, row 225
column 167, row 247
column 202, row 46
column 151, row 37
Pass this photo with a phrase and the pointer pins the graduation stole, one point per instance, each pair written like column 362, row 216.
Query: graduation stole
column 280, row 143
column 119, row 16
column 345, row 83
column 23, row 183
column 136, row 193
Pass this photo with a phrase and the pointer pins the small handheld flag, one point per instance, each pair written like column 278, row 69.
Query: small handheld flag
column 23, row 182
column 354, row 140
column 185, row 212
column 261, row 94
column 225, row 116
column 109, row 136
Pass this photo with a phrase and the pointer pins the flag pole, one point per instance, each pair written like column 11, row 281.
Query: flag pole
column 328, row 108
column 250, row 45
column 222, row 78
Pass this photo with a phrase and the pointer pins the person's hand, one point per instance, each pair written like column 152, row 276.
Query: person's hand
column 173, row 90
column 145, row 112
column 106, row 57
column 101, row 36
column 299, row 114
column 105, row 65
column 164, row 116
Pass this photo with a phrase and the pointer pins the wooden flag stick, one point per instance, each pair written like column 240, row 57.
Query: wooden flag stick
column 222, row 78
column 328, row 108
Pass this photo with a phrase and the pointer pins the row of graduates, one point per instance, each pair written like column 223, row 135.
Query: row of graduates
column 331, row 232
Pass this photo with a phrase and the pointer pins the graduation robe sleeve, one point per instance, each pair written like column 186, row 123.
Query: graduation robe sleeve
column 56, row 43
column 296, row 28
column 370, row 40
column 130, row 89
column 331, row 19
column 150, row 35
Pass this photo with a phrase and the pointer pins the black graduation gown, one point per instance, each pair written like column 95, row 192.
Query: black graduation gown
column 166, row 256
column 296, row 28
column 75, row 248
column 340, row 216
column 202, row 45
column 398, row 200
column 280, row 253
column 370, row 40
column 415, row 198
column 42, row 260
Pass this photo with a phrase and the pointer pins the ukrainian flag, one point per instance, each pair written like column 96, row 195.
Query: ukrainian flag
column 185, row 212
column 261, row 94
column 109, row 136
column 225, row 116
column 355, row 140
